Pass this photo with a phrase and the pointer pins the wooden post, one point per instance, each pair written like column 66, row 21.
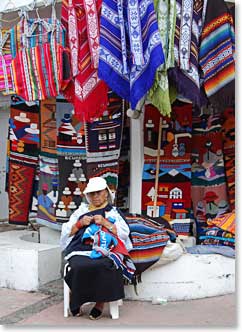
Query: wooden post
column 157, row 164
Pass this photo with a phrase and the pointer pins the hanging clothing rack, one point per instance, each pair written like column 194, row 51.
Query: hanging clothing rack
column 12, row 6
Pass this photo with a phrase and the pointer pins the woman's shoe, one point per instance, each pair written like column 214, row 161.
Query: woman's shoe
column 95, row 313
column 77, row 312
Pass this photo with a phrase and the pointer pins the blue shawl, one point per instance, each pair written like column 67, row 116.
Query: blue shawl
column 130, row 47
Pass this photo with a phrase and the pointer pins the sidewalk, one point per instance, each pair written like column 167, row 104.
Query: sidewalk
column 45, row 308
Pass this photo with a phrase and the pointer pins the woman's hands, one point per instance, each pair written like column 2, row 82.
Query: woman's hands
column 86, row 220
column 99, row 220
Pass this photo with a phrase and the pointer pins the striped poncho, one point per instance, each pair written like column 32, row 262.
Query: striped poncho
column 216, row 56
column 130, row 47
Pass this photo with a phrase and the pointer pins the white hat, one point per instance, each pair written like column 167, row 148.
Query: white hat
column 77, row 191
column 82, row 178
column 33, row 129
column 77, row 163
column 96, row 184
column 61, row 205
column 72, row 177
column 22, row 117
column 66, row 191
column 72, row 205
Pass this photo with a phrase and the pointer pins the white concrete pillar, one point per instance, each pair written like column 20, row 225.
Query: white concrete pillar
column 4, row 118
column 136, row 163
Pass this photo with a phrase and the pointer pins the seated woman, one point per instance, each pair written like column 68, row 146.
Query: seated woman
column 96, row 243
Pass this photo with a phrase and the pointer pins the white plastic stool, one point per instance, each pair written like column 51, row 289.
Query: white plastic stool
column 113, row 306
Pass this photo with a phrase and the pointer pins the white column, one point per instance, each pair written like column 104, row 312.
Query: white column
column 4, row 117
column 136, row 163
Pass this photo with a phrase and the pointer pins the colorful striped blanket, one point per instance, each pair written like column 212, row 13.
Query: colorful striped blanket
column 149, row 240
column 216, row 55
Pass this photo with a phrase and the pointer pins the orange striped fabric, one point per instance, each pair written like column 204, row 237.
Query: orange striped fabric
column 226, row 222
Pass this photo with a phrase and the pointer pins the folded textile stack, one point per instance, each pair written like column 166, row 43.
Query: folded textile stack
column 219, row 231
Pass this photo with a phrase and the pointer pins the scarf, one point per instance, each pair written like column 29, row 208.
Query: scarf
column 130, row 47
column 159, row 93
column 86, row 91
column 216, row 56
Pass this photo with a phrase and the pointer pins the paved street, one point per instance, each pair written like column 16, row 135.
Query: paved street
column 45, row 308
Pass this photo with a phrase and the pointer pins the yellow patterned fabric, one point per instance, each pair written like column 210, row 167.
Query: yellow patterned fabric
column 225, row 222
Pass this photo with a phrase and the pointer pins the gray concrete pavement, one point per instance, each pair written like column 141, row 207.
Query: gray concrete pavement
column 45, row 309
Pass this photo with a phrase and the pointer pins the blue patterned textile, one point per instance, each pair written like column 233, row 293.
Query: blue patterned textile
column 130, row 47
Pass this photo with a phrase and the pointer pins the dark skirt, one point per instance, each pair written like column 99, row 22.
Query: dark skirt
column 93, row 280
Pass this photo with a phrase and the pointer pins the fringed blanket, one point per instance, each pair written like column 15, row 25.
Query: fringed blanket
column 185, row 76
column 149, row 240
column 130, row 47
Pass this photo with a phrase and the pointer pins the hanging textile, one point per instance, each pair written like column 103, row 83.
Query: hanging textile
column 209, row 187
column 216, row 55
column 48, row 128
column 40, row 62
column 185, row 76
column 159, row 93
column 23, row 158
column 174, row 177
column 130, row 47
column 86, row 91
column 104, row 135
column 48, row 176
column 48, row 191
column 228, row 134
column 103, row 142
column 71, row 154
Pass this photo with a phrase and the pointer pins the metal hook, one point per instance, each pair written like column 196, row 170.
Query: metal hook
column 37, row 13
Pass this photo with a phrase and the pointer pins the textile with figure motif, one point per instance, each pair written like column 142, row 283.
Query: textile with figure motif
column 159, row 93
column 186, row 76
column 104, row 135
column 209, row 187
column 174, row 174
column 130, row 47
column 86, row 91
column 228, row 132
column 23, row 158
column 48, row 191
column 71, row 154
column 216, row 54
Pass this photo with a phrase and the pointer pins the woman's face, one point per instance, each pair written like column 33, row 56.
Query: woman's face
column 98, row 198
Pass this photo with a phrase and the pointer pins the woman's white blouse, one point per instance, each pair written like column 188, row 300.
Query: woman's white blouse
column 122, row 227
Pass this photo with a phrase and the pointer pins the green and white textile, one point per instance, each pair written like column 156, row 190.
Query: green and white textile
column 159, row 93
